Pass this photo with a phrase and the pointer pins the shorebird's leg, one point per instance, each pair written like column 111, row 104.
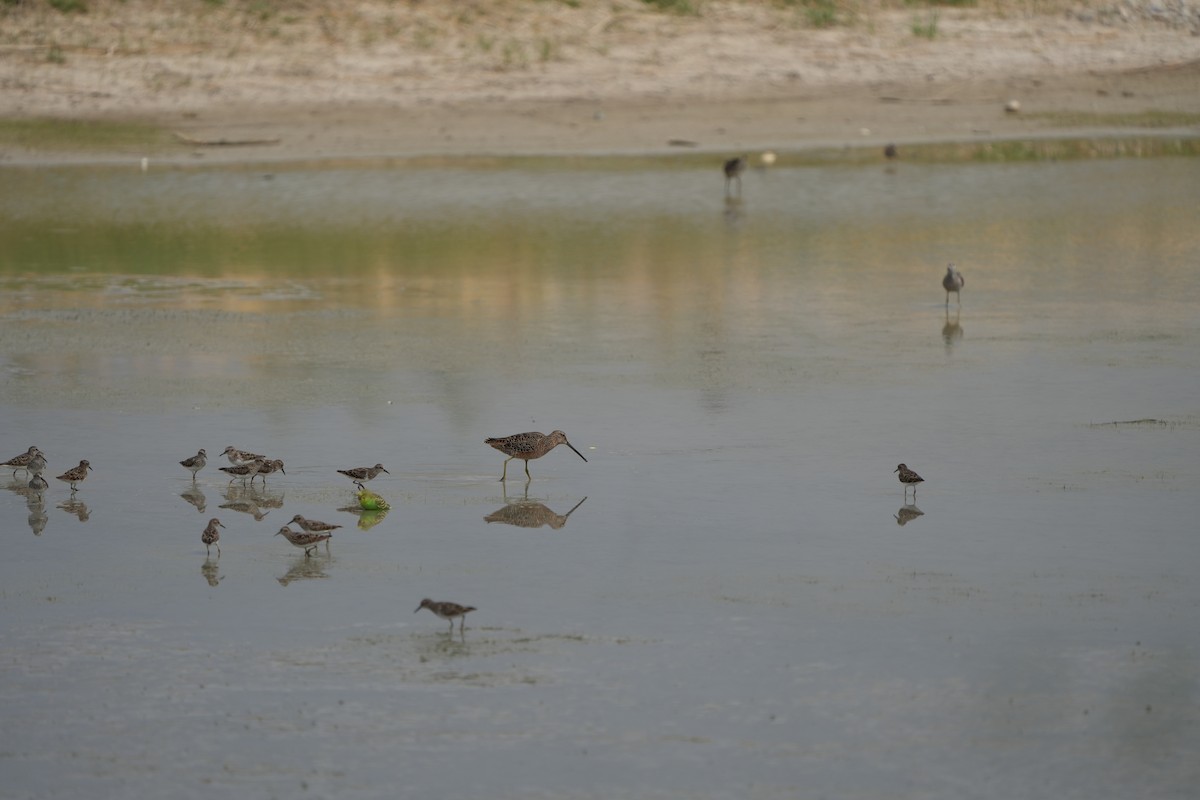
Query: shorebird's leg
column 527, row 475
column 504, row 472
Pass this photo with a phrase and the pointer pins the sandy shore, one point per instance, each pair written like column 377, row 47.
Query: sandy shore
column 378, row 79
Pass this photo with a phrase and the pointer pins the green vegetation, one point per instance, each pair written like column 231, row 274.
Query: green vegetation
column 57, row 135
column 682, row 7
column 926, row 28
column 1142, row 119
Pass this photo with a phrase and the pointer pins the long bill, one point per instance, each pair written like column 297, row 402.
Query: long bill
column 568, row 444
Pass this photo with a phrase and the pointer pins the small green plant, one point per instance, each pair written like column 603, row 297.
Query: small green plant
column 55, row 55
column 513, row 56
column 927, row 28
column 821, row 13
column 69, row 6
column 547, row 50
column 682, row 7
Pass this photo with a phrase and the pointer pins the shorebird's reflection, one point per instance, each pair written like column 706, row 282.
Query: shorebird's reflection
column 306, row 568
column 195, row 496
column 252, row 501
column 76, row 507
column 38, row 519
column 734, row 209
column 366, row 519
column 951, row 330
column 529, row 514
column 907, row 514
column 209, row 569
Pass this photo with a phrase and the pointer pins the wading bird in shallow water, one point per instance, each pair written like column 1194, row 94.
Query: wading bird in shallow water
column 314, row 525
column 734, row 168
column 363, row 474
column 953, row 282
column 21, row 461
column 76, row 474
column 195, row 463
column 212, row 536
column 448, row 611
column 307, row 541
column 908, row 478
column 528, row 446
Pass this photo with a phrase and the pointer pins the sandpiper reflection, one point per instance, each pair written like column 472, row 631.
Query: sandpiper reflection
column 250, row 500
column 305, row 568
column 210, row 570
column 529, row 514
column 194, row 495
column 76, row 507
column 952, row 331
column 907, row 514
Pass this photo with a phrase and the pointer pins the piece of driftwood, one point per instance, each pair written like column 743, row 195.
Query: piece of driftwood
column 224, row 142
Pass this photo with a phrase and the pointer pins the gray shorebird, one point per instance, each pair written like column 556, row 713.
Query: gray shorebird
column 21, row 461
column 244, row 471
column 212, row 536
column 237, row 457
column 304, row 540
column 527, row 446
column 734, row 168
column 953, row 281
column 363, row 474
column 76, row 474
column 449, row 611
column 313, row 525
column 195, row 463
column 908, row 478
column 268, row 468
column 36, row 465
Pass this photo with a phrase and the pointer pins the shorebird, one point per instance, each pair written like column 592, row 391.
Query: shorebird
column 953, row 281
column 528, row 446
column 363, row 474
column 268, row 468
column 76, row 474
column 303, row 539
column 908, row 478
column 212, row 536
column 195, row 463
column 734, row 168
column 36, row 464
column 244, row 471
column 314, row 525
column 447, row 611
column 21, row 461
column 890, row 152
column 237, row 457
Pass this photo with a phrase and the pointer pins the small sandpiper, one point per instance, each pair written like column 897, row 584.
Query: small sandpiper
column 313, row 525
column 76, row 474
column 21, row 461
column 908, row 478
column 36, row 465
column 212, row 536
column 953, row 281
column 733, row 169
column 269, row 468
column 195, row 463
column 244, row 471
column 237, row 457
column 302, row 539
column 448, row 611
column 363, row 474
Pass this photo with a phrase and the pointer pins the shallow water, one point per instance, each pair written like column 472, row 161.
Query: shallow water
column 741, row 603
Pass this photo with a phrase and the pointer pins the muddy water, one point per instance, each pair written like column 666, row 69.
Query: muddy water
column 731, row 599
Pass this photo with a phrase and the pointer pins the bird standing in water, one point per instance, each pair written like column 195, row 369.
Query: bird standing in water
column 953, row 282
column 528, row 446
column 909, row 478
column 734, row 168
column 447, row 611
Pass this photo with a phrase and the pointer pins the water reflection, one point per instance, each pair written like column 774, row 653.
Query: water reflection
column 195, row 496
column 366, row 519
column 76, row 507
column 209, row 570
column 952, row 331
column 908, row 513
column 35, row 501
column 251, row 500
column 307, row 567
column 733, row 209
column 529, row 514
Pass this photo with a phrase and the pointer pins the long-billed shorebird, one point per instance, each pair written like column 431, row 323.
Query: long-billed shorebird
column 212, row 536
column 450, row 611
column 953, row 281
column 528, row 446
column 363, row 474
column 195, row 463
column 76, row 474
column 21, row 461
column 908, row 478
column 303, row 539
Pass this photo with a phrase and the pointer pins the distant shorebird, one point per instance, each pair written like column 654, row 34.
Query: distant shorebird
column 528, row 446
column 212, row 536
column 734, row 168
column 908, row 478
column 76, row 474
column 195, row 463
column 890, row 152
column 449, row 611
column 244, row 471
column 363, row 474
column 21, row 461
column 269, row 468
column 307, row 541
column 953, row 282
